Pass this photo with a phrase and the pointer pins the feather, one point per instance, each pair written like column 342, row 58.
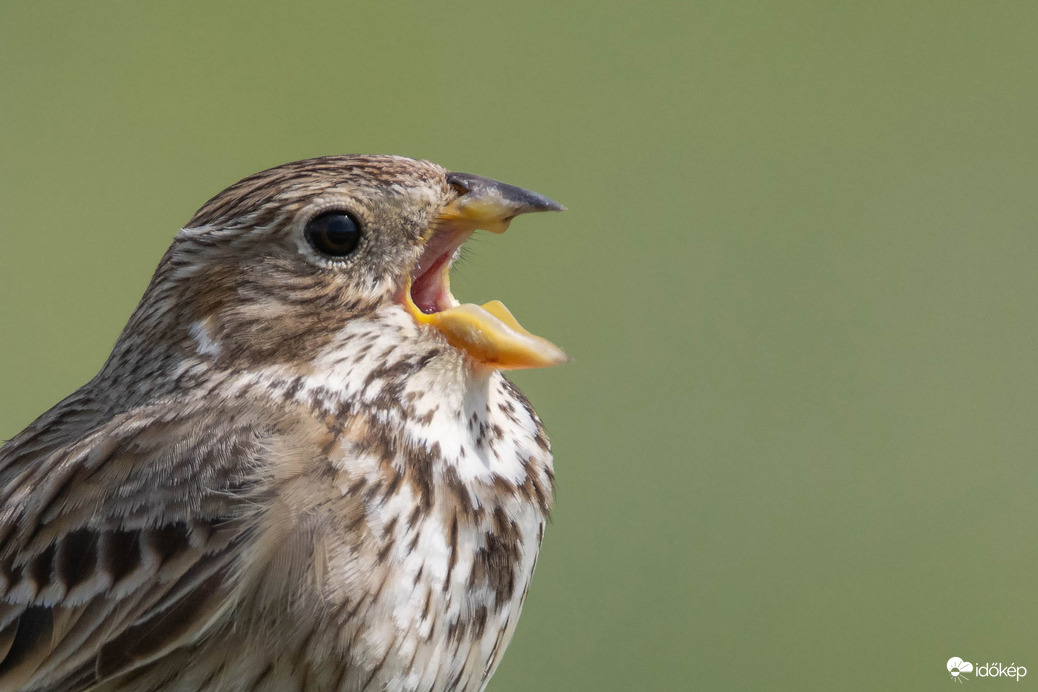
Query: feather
column 95, row 585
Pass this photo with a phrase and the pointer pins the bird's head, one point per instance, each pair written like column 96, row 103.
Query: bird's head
column 273, row 266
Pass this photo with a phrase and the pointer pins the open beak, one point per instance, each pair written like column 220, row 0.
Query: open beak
column 488, row 333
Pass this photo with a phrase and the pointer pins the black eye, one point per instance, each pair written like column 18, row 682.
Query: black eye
column 333, row 233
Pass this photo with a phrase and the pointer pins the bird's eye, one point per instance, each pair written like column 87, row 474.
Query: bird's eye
column 333, row 233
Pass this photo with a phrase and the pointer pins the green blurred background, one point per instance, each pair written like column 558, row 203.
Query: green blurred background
column 796, row 449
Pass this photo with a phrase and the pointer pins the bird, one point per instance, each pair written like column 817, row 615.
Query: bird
column 301, row 467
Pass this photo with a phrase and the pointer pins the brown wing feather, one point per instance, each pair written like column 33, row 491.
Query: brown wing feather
column 118, row 543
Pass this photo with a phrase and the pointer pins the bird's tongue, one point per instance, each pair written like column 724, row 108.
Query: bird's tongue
column 489, row 334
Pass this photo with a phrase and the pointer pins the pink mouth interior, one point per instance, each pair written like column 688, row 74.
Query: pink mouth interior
column 429, row 290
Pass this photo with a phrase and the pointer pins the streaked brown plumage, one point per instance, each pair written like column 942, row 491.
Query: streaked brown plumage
column 296, row 471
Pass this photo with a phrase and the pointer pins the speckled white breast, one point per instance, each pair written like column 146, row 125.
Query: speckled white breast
column 414, row 548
